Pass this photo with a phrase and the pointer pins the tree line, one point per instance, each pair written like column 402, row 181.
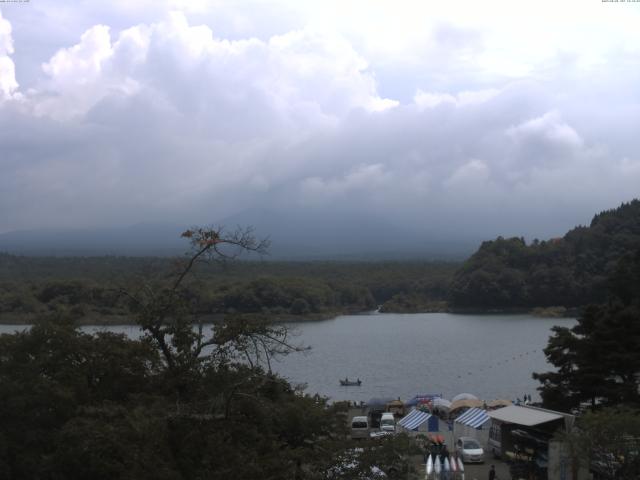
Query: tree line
column 506, row 273
column 90, row 288
column 571, row 271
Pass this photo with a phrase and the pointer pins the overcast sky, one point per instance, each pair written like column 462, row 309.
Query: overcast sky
column 494, row 117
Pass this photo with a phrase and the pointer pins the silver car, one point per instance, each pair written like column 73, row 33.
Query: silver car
column 469, row 450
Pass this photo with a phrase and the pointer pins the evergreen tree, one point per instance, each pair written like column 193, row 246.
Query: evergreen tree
column 570, row 271
column 598, row 360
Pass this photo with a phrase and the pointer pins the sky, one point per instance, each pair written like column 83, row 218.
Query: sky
column 472, row 118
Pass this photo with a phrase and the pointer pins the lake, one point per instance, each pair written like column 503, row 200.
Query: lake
column 491, row 356
column 399, row 355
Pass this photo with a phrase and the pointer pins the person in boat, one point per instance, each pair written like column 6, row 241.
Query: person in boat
column 358, row 380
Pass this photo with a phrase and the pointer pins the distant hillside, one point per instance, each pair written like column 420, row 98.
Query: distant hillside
column 143, row 239
column 569, row 271
column 294, row 235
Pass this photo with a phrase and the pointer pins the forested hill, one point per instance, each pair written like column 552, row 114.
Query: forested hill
column 569, row 271
column 90, row 288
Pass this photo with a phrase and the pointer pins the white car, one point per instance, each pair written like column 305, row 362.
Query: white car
column 388, row 422
column 469, row 450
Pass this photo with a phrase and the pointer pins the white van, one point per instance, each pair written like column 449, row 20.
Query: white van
column 387, row 422
column 359, row 427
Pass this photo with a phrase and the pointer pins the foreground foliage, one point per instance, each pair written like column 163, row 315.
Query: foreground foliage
column 607, row 441
column 75, row 405
column 181, row 402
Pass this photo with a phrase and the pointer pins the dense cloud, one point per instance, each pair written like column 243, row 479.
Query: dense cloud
column 152, row 115
column 8, row 83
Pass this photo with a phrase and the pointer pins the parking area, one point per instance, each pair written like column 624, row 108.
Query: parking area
column 472, row 471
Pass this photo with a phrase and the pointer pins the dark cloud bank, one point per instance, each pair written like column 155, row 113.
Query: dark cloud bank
column 165, row 123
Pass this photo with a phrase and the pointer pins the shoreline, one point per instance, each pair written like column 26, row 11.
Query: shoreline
column 124, row 320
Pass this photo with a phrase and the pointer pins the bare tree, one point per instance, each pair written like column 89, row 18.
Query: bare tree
column 167, row 317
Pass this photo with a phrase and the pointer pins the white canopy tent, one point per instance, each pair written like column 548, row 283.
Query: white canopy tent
column 527, row 416
column 441, row 404
column 464, row 396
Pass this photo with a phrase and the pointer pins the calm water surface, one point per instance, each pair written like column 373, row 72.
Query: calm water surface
column 399, row 355
column 491, row 356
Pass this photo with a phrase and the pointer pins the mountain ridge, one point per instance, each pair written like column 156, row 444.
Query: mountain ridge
column 293, row 236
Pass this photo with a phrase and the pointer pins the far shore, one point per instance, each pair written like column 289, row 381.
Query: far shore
column 126, row 320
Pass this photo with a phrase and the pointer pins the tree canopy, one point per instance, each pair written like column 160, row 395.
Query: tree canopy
column 181, row 402
column 89, row 288
column 608, row 441
column 598, row 360
column 571, row 271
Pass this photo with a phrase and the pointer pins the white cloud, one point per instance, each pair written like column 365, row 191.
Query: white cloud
column 8, row 83
column 76, row 76
column 6, row 42
column 82, row 63
column 300, row 77
column 473, row 174
column 430, row 100
column 550, row 128
column 363, row 178
column 140, row 113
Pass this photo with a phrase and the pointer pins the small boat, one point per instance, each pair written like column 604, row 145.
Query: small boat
column 350, row 383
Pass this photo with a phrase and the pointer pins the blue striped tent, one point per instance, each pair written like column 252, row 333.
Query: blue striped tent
column 473, row 423
column 474, row 417
column 415, row 419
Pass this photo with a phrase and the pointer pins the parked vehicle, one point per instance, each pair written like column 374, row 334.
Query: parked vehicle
column 387, row 422
column 469, row 450
column 360, row 427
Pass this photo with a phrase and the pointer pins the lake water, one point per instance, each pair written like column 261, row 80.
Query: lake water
column 491, row 356
column 400, row 355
